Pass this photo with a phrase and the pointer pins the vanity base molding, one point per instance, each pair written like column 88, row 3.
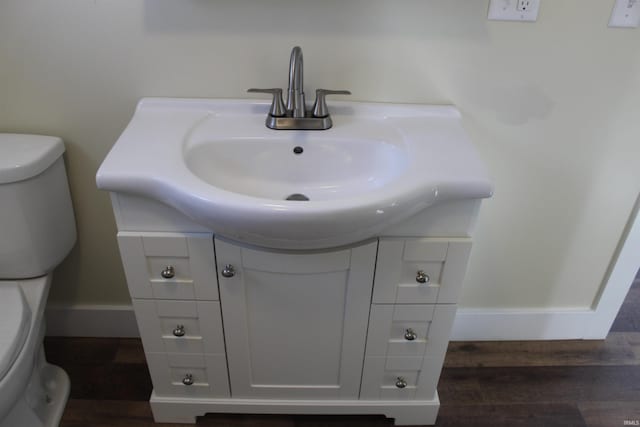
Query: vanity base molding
column 185, row 410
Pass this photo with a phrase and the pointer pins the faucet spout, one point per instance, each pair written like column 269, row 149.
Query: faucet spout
column 295, row 100
column 294, row 115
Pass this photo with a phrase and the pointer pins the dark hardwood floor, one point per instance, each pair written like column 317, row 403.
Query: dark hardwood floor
column 493, row 384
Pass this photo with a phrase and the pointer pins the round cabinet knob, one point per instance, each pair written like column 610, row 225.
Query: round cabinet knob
column 168, row 272
column 188, row 379
column 178, row 331
column 401, row 382
column 410, row 335
column 228, row 271
column 422, row 277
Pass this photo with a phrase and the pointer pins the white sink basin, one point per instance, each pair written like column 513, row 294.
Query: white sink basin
column 265, row 165
column 217, row 163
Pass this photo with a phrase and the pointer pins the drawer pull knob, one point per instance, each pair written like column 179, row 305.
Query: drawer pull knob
column 401, row 382
column 422, row 277
column 410, row 335
column 228, row 271
column 188, row 379
column 168, row 272
column 178, row 331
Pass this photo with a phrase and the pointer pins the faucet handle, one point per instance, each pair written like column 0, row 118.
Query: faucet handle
column 277, row 105
column 320, row 108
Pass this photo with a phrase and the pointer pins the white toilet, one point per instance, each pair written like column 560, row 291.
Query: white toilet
column 37, row 230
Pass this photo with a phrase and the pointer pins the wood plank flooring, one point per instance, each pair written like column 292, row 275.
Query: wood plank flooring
column 492, row 384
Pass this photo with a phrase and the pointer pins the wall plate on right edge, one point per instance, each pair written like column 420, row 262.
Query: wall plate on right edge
column 514, row 10
column 625, row 14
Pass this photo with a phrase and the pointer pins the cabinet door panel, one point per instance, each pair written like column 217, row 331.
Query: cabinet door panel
column 295, row 327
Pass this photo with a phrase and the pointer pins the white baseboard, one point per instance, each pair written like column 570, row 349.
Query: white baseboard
column 91, row 321
column 470, row 324
column 521, row 324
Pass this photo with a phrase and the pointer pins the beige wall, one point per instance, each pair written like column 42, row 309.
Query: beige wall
column 554, row 108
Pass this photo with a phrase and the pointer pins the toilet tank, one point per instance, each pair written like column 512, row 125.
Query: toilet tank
column 37, row 225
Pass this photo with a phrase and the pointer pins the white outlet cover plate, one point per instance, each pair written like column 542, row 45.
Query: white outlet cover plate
column 625, row 14
column 507, row 10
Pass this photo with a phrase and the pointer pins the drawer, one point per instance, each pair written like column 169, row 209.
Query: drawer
column 416, row 357
column 411, row 330
column 379, row 383
column 420, row 271
column 189, row 375
column 180, row 326
column 169, row 265
column 400, row 378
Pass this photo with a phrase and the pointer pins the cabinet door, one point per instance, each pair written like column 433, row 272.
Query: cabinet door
column 295, row 325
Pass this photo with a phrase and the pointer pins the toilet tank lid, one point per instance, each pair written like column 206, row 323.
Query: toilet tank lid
column 25, row 156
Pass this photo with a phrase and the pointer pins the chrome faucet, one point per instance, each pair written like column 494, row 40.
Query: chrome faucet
column 295, row 116
column 295, row 93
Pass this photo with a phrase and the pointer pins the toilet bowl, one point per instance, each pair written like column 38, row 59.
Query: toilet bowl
column 32, row 392
column 37, row 230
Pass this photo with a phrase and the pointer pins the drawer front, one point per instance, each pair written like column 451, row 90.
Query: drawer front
column 387, row 379
column 189, row 375
column 420, row 271
column 407, row 341
column 169, row 265
column 420, row 330
column 180, row 326
column 380, row 383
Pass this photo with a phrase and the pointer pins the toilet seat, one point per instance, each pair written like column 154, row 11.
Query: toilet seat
column 15, row 320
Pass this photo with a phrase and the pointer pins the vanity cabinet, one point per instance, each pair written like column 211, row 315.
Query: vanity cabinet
column 352, row 314
column 228, row 327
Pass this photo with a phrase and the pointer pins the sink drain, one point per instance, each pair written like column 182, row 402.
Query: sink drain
column 298, row 197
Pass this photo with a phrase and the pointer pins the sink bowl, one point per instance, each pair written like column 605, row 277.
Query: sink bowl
column 321, row 166
column 217, row 163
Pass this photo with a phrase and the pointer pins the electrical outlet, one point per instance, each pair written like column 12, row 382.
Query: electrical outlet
column 625, row 14
column 514, row 10
column 523, row 5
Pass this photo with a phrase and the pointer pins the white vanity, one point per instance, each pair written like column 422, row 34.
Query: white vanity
column 251, row 303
